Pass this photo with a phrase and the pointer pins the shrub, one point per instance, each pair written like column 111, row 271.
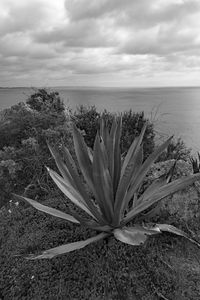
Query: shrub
column 87, row 120
column 24, row 129
column 46, row 102
column 176, row 150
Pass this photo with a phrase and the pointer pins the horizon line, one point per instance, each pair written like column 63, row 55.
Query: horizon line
column 99, row 87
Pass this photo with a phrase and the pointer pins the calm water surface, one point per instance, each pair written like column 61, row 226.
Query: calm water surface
column 173, row 110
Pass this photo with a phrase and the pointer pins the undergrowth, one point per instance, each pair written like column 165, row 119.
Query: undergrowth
column 166, row 267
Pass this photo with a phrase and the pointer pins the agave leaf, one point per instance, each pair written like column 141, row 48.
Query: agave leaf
column 151, row 213
column 137, row 166
column 161, row 193
column 121, row 195
column 61, row 166
column 68, row 158
column 84, row 161
column 110, row 147
column 90, row 154
column 104, row 133
column 103, row 129
column 133, row 148
column 173, row 229
column 49, row 210
column 117, row 156
column 80, row 187
column 150, row 190
column 97, row 179
column 145, row 168
column 161, row 181
column 67, row 248
column 135, row 236
column 69, row 191
column 74, row 174
column 102, row 179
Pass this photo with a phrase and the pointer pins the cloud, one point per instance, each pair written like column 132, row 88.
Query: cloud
column 85, row 34
column 97, row 39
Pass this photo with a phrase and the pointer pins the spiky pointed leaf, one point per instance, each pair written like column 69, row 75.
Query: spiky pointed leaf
column 137, row 180
column 117, row 156
column 133, row 148
column 67, row 248
column 124, row 184
column 161, row 193
column 157, row 183
column 60, row 164
column 102, row 179
column 111, row 146
column 84, row 161
column 48, row 210
column 175, row 230
column 69, row 191
column 79, row 185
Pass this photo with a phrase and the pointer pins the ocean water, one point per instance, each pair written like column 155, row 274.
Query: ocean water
column 173, row 110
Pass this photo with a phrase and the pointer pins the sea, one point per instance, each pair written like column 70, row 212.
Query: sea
column 173, row 110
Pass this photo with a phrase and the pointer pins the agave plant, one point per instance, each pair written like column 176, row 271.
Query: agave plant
column 115, row 184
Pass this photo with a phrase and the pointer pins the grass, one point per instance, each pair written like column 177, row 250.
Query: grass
column 166, row 267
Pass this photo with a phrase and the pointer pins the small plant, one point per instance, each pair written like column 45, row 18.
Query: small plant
column 196, row 163
column 115, row 184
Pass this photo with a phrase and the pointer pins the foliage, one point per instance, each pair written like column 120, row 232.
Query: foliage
column 196, row 163
column 176, row 150
column 165, row 265
column 87, row 120
column 46, row 102
column 115, row 185
column 132, row 124
column 24, row 129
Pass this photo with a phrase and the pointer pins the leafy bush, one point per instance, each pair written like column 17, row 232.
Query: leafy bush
column 46, row 101
column 87, row 120
column 24, row 130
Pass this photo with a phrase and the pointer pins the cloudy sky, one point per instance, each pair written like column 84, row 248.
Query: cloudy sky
column 99, row 42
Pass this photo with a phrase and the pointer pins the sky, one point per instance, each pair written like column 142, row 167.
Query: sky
column 118, row 43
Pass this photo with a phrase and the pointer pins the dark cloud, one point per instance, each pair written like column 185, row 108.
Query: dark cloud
column 85, row 33
column 58, row 39
column 161, row 40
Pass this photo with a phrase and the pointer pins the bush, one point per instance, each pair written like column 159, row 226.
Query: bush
column 87, row 120
column 24, row 130
column 44, row 101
